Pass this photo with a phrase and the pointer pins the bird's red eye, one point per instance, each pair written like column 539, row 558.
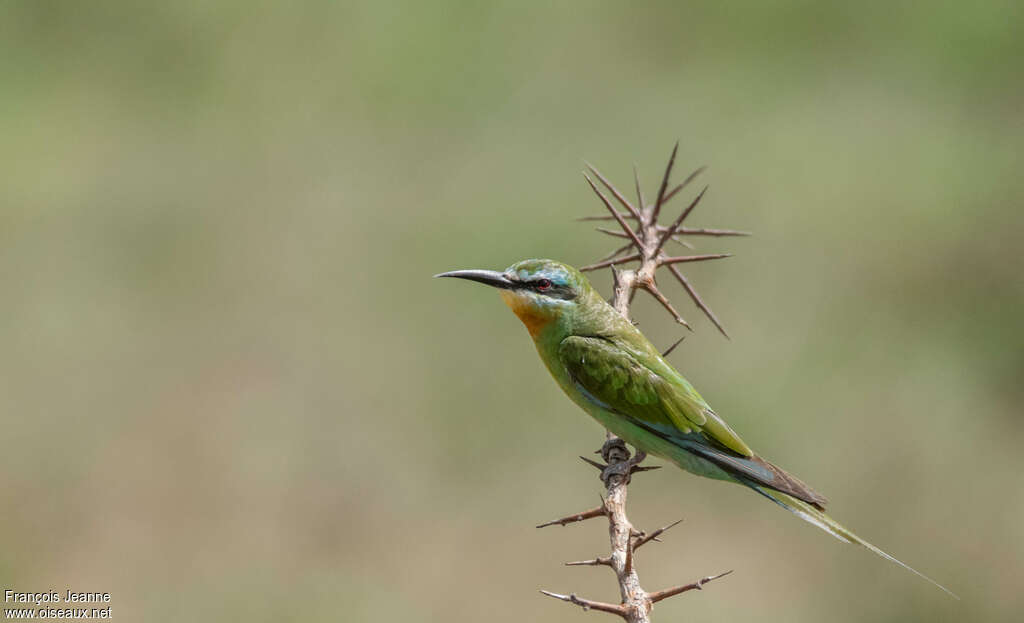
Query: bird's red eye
column 544, row 284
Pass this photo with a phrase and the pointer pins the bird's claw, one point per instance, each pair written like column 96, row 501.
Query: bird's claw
column 621, row 465
column 615, row 451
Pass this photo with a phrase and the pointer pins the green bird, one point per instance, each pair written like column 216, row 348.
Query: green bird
column 608, row 368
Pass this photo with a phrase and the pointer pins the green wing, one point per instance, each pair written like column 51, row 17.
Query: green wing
column 617, row 380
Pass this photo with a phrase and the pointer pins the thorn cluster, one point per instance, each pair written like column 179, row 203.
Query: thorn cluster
column 646, row 239
column 636, row 603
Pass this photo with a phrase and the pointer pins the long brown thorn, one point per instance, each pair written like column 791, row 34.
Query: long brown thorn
column 672, row 592
column 668, row 351
column 587, row 604
column 656, row 293
column 639, row 193
column 671, row 230
column 615, row 191
column 614, row 260
column 664, row 261
column 697, row 300
column 713, row 232
column 568, row 519
column 622, row 222
column 672, row 193
column 664, row 185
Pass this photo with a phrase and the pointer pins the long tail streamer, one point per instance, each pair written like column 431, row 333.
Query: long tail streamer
column 808, row 513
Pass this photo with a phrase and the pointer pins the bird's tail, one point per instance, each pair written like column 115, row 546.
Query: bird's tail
column 819, row 518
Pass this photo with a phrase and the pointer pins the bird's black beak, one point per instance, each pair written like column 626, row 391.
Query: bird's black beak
column 490, row 277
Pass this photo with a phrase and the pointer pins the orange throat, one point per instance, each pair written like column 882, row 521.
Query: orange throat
column 534, row 319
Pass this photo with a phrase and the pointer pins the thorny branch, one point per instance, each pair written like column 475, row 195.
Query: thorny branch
column 646, row 239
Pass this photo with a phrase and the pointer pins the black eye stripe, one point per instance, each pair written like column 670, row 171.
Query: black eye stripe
column 547, row 287
column 559, row 292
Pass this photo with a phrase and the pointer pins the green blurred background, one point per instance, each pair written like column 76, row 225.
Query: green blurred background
column 231, row 391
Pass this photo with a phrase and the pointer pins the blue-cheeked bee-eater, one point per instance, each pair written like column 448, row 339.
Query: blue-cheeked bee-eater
column 614, row 373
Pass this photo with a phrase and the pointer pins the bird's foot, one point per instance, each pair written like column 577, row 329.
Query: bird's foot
column 620, row 463
column 615, row 451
